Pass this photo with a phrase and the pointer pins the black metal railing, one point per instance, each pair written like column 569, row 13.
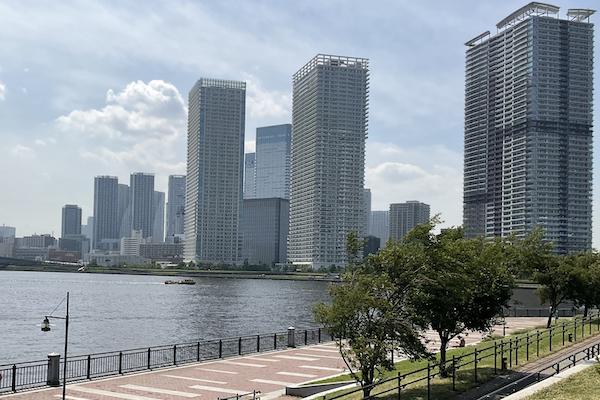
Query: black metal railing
column 505, row 355
column 540, row 312
column 29, row 375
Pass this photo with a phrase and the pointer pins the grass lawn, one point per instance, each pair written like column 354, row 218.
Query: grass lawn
column 465, row 375
column 581, row 386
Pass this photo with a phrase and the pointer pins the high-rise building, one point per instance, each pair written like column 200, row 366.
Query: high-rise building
column 106, row 211
column 528, row 127
column 7, row 231
column 141, row 193
column 215, row 163
column 158, row 217
column 379, row 225
column 71, row 220
column 87, row 229
column 250, row 176
column 405, row 216
column 124, row 211
column 175, row 207
column 273, row 146
column 330, row 111
column 366, row 212
column 264, row 229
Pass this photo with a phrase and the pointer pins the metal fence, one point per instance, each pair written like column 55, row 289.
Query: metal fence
column 540, row 312
column 29, row 375
column 505, row 354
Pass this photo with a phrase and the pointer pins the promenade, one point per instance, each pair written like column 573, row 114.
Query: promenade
column 268, row 372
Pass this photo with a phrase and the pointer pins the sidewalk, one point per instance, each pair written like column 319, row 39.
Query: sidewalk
column 268, row 372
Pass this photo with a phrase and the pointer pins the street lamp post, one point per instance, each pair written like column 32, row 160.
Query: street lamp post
column 46, row 328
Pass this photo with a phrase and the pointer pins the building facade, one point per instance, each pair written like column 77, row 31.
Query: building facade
column 158, row 217
column 364, row 231
column 215, row 170
column 250, row 176
column 124, row 213
column 330, row 111
column 264, row 229
column 106, row 210
column 405, row 216
column 528, row 128
column 8, row 231
column 273, row 147
column 71, row 220
column 141, row 192
column 175, row 207
column 379, row 225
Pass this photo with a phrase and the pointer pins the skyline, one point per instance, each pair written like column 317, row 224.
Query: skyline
column 414, row 149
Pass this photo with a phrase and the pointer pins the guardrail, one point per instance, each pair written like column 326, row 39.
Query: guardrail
column 505, row 354
column 34, row 374
column 540, row 312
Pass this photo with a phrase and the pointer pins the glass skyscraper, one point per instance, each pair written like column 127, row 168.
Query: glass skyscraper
column 273, row 145
column 528, row 128
column 141, row 189
column 250, row 176
column 106, row 209
column 330, row 110
column 215, row 162
column 175, row 206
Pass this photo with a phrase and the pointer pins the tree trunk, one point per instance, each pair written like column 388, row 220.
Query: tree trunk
column 550, row 315
column 585, row 311
column 366, row 392
column 443, row 346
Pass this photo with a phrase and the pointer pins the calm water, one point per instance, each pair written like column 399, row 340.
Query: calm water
column 117, row 312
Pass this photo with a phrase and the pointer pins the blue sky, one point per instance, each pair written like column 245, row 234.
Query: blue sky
column 93, row 88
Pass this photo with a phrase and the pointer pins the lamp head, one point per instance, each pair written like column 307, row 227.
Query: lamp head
column 45, row 325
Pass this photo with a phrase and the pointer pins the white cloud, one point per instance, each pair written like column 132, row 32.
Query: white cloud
column 40, row 142
column 2, row 91
column 140, row 128
column 22, row 151
column 263, row 103
column 432, row 175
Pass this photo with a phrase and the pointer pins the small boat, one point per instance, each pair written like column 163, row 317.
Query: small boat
column 183, row 282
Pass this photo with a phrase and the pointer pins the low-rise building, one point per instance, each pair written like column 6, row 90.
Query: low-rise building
column 162, row 251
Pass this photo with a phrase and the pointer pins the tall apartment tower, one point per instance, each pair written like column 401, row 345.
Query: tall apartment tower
column 330, row 112
column 215, row 163
column 158, row 217
column 405, row 216
column 106, row 200
column 366, row 212
column 273, row 147
column 124, row 211
column 250, row 176
column 141, row 194
column 71, row 220
column 175, row 206
column 528, row 128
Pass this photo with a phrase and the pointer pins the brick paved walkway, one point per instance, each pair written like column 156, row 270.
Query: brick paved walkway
column 268, row 373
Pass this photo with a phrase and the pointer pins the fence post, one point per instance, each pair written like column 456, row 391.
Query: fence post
column 475, row 360
column 399, row 385
column 120, row 362
column 240, row 346
column 291, row 337
column 220, row 348
column 537, row 344
column 305, row 337
column 550, row 340
column 258, row 343
column 274, row 341
column 174, row 354
column 198, row 352
column 563, row 333
column 428, row 381
column 510, row 348
column 495, row 358
column 454, row 372
column 590, row 323
column 89, row 366
column 319, row 335
column 527, row 347
column 582, row 327
column 516, row 351
column 14, row 378
column 149, row 357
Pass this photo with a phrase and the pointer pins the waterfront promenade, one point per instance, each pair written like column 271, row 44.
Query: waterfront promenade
column 268, row 372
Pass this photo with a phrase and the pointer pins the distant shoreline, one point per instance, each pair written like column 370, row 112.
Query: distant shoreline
column 294, row 276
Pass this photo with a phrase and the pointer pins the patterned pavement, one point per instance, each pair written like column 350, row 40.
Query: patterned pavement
column 268, row 372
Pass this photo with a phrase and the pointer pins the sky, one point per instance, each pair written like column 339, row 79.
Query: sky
column 100, row 88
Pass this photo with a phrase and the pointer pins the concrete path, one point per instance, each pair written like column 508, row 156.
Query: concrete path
column 268, row 372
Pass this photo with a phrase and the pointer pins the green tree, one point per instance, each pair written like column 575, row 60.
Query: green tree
column 364, row 321
column 459, row 284
column 557, row 280
column 584, row 279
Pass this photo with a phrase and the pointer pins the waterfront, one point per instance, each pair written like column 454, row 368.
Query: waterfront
column 114, row 312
